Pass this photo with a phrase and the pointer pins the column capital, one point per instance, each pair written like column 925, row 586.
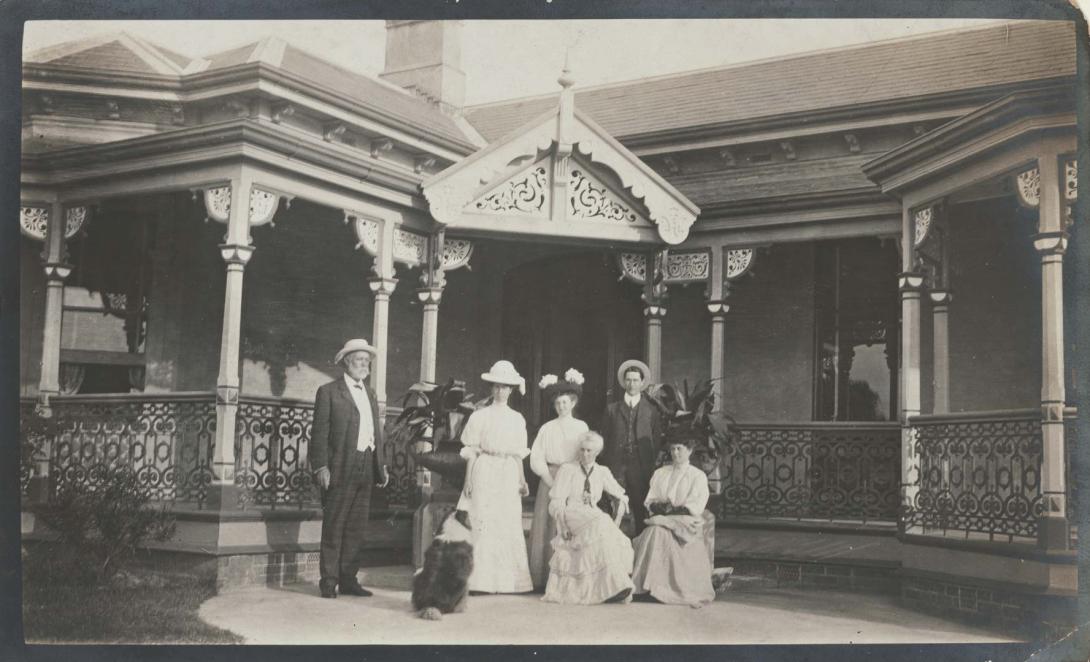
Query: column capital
column 382, row 286
column 940, row 297
column 57, row 271
column 236, row 253
column 1050, row 243
column 718, row 308
column 430, row 295
column 654, row 310
column 910, row 281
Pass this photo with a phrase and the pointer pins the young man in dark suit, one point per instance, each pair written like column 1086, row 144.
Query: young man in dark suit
column 347, row 454
column 632, row 431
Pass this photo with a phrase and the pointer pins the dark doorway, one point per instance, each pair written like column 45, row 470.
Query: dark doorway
column 570, row 311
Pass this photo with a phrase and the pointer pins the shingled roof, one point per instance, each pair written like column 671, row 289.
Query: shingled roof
column 896, row 69
column 127, row 53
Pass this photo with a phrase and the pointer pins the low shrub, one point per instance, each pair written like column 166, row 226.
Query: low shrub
column 100, row 521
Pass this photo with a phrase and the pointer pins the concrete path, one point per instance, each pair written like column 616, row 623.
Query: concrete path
column 297, row 615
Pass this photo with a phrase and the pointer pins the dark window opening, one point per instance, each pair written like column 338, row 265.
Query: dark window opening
column 856, row 331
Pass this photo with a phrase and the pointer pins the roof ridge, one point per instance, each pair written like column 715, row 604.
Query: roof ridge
column 374, row 79
column 749, row 63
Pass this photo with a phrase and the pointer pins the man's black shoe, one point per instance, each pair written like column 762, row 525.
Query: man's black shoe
column 328, row 588
column 353, row 587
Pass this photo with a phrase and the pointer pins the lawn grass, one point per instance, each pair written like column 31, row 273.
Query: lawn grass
column 55, row 612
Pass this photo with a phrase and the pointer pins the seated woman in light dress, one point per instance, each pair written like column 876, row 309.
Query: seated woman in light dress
column 672, row 563
column 494, row 441
column 557, row 443
column 592, row 557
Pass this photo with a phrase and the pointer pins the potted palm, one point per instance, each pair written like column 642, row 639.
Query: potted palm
column 430, row 425
column 690, row 414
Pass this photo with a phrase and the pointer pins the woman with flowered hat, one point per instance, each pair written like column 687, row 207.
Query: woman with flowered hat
column 557, row 443
column 494, row 446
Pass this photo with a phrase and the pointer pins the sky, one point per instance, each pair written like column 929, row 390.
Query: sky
column 508, row 59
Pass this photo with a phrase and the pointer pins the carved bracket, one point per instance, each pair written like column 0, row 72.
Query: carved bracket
column 33, row 222
column 1028, row 185
column 262, row 208
column 380, row 147
column 739, row 262
column 367, row 232
column 74, row 220
column 422, row 163
column 333, row 130
column 281, row 111
column 922, row 219
column 455, row 254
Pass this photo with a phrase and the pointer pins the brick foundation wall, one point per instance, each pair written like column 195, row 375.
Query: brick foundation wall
column 1040, row 617
column 820, row 575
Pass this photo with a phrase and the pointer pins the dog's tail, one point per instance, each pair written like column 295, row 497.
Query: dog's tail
column 431, row 614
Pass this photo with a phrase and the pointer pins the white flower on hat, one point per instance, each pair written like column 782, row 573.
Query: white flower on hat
column 547, row 381
column 574, row 376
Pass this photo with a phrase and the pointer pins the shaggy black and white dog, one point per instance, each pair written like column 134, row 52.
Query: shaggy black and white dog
column 441, row 586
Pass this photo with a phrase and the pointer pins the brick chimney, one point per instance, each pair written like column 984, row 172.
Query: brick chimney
column 426, row 58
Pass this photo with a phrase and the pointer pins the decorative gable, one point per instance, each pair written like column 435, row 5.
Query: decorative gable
column 560, row 175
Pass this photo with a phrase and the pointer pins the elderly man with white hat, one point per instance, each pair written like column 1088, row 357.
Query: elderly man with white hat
column 348, row 458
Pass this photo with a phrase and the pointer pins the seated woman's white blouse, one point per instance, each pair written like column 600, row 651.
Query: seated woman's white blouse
column 496, row 429
column 567, row 489
column 681, row 486
column 557, row 442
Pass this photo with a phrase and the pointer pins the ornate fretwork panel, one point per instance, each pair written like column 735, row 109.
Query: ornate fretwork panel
column 739, row 260
column 74, row 218
column 33, row 222
column 456, row 253
column 1028, row 184
column 367, row 232
column 1071, row 180
column 634, row 267
column 678, row 268
column 923, row 219
column 263, row 206
column 589, row 200
column 685, row 267
column 525, row 193
column 410, row 248
column 217, row 203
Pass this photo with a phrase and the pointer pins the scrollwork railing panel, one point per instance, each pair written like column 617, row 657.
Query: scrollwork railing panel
column 167, row 442
column 979, row 475
column 812, row 471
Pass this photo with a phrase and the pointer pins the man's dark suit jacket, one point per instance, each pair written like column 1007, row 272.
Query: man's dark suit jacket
column 336, row 428
column 648, row 436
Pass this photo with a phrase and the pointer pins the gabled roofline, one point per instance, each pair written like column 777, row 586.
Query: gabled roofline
column 1049, row 99
column 145, row 50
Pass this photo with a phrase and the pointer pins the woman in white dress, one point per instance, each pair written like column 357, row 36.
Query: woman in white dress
column 592, row 557
column 672, row 561
column 556, row 444
column 494, row 441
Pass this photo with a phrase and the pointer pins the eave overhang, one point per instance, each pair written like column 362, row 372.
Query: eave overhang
column 1044, row 109
column 238, row 139
column 248, row 78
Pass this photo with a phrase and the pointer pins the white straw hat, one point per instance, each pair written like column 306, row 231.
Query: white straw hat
column 355, row 345
column 503, row 372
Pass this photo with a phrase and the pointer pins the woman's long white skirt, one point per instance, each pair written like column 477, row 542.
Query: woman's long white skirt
column 495, row 512
column 592, row 567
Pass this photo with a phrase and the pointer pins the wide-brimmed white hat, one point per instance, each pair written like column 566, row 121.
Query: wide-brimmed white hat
column 503, row 372
column 355, row 345
column 633, row 363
